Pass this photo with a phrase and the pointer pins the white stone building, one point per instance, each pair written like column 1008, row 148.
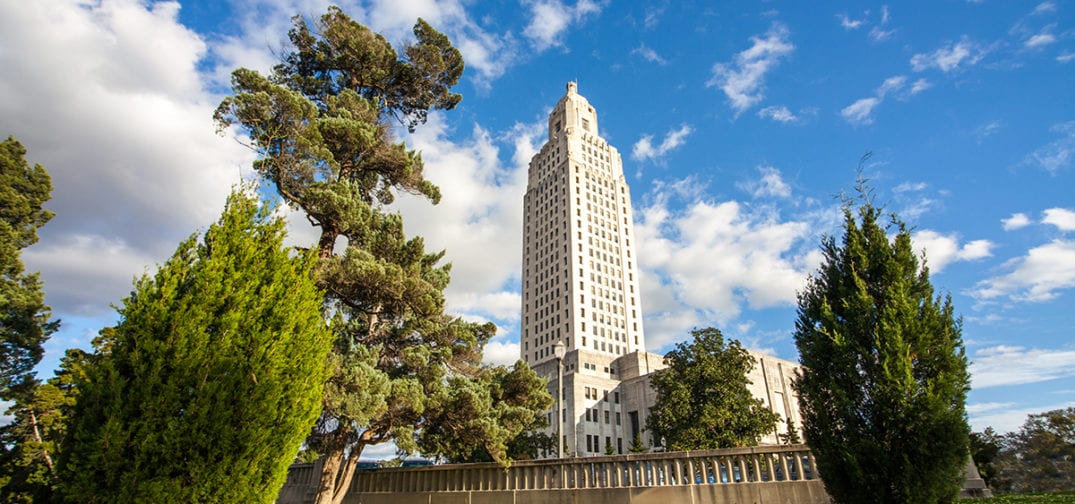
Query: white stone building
column 581, row 287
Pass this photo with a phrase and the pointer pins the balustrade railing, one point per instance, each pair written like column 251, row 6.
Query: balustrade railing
column 711, row 467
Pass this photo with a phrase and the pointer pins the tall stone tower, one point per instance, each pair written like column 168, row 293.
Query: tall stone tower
column 580, row 271
column 580, row 283
column 581, row 289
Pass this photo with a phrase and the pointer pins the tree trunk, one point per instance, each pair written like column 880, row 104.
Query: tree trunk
column 343, row 483
column 326, row 487
column 37, row 437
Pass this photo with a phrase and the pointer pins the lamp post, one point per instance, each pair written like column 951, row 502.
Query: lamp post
column 558, row 350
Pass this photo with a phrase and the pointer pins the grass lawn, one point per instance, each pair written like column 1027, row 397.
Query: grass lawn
column 1055, row 498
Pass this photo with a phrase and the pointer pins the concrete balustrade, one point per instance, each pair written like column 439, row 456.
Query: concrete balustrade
column 758, row 474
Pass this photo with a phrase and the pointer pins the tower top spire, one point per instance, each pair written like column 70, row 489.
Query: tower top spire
column 572, row 87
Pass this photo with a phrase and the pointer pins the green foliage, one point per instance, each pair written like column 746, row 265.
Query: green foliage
column 791, row 433
column 31, row 442
column 702, row 397
column 637, row 446
column 985, row 446
column 1040, row 456
column 322, row 127
column 478, row 419
column 205, row 389
column 1035, row 498
column 884, row 381
column 24, row 318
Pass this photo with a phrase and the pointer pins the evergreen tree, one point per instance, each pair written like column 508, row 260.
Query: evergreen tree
column 31, row 442
column 885, row 378
column 636, row 445
column 703, row 401
column 205, row 389
column 24, row 318
column 322, row 125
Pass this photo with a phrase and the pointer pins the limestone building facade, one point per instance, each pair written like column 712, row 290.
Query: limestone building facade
column 580, row 287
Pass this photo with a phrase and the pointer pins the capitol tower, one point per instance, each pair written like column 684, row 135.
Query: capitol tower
column 580, row 283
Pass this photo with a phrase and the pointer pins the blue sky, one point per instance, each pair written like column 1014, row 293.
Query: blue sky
column 739, row 127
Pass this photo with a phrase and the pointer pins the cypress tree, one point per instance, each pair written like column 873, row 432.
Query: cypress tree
column 885, row 381
column 206, row 388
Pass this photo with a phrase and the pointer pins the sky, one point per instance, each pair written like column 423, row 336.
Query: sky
column 740, row 126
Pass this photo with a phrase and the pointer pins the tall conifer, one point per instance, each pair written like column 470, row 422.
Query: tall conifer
column 885, row 377
column 206, row 388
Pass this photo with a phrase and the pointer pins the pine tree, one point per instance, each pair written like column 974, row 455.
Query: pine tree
column 884, row 382
column 702, row 397
column 322, row 126
column 24, row 318
column 206, row 388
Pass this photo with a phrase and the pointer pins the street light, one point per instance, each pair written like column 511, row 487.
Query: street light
column 558, row 350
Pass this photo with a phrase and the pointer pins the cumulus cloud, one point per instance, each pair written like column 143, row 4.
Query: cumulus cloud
column 1016, row 221
column 1006, row 417
column 116, row 133
column 1062, row 218
column 645, row 150
column 1014, row 365
column 1058, row 154
column 743, row 80
column 1038, row 276
column 779, row 114
column 498, row 352
column 950, row 57
column 944, row 249
column 987, row 130
column 703, row 261
column 478, row 221
column 551, row 18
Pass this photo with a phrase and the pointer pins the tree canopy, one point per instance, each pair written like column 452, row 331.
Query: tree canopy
column 702, row 397
column 884, row 381
column 24, row 317
column 206, row 388
column 323, row 126
column 1039, row 457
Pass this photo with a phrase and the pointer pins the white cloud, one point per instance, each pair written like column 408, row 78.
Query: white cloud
column 743, row 80
column 950, row 57
column 1038, row 276
column 848, row 23
column 126, row 133
column 501, row 353
column 1040, row 40
column 942, row 250
column 1016, row 221
column 1006, row 417
column 478, row 220
column 1044, row 7
column 644, row 149
column 551, row 18
column 987, row 130
column 649, row 55
column 1062, row 218
column 1065, row 56
column 910, row 187
column 770, row 184
column 1058, row 154
column 860, row 112
column 919, row 86
column 878, row 34
column 703, row 261
column 779, row 114
column 1012, row 365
